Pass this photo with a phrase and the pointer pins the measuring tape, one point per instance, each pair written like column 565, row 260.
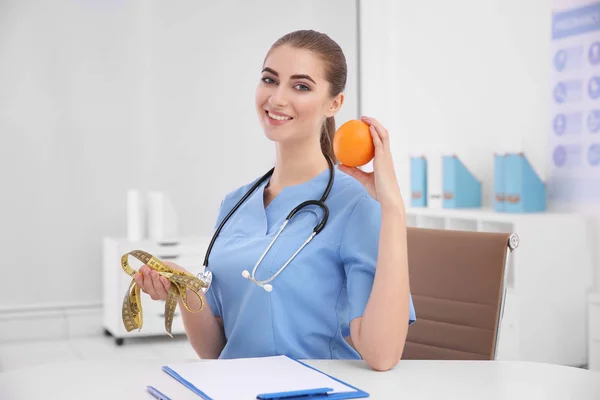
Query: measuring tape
column 131, row 312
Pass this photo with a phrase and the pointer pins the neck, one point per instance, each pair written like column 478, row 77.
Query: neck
column 297, row 163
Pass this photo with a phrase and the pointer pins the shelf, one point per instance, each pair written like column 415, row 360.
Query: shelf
column 462, row 224
column 487, row 214
column 430, row 222
column 500, row 227
column 462, row 220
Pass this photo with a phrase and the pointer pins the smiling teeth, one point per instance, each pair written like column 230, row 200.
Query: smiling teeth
column 279, row 118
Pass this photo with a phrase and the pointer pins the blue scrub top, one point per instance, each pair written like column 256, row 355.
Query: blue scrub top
column 307, row 314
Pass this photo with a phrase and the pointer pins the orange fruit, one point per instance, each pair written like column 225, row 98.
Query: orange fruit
column 353, row 144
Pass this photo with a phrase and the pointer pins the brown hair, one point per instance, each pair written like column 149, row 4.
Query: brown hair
column 335, row 72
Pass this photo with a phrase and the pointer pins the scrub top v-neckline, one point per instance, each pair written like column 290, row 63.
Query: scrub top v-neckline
column 275, row 212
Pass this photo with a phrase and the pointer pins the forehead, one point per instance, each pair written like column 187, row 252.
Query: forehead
column 287, row 61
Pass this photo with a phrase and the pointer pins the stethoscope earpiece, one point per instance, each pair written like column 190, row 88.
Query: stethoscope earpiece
column 267, row 286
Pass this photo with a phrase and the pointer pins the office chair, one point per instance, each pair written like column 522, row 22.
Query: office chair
column 457, row 283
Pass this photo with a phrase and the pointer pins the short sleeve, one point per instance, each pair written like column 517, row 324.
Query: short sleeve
column 359, row 252
column 211, row 297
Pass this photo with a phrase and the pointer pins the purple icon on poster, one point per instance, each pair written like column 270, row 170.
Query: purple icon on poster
column 593, row 154
column 560, row 92
column 594, row 53
column 559, row 156
column 560, row 60
column 594, row 87
column 560, row 124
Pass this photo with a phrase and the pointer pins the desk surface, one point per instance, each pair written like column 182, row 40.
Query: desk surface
column 408, row 380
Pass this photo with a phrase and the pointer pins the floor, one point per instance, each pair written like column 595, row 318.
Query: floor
column 14, row 355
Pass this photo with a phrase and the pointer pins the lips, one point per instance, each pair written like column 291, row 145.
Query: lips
column 278, row 116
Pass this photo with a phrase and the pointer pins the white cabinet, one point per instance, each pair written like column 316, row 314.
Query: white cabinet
column 594, row 332
column 188, row 252
column 548, row 278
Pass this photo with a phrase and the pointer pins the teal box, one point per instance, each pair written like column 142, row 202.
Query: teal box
column 499, row 182
column 418, row 181
column 524, row 190
column 461, row 188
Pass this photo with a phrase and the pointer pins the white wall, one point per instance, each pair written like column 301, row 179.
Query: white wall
column 467, row 77
column 101, row 96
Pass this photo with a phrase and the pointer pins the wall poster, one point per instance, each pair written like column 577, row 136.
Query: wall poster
column 574, row 140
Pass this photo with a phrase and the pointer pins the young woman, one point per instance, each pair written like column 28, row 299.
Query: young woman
column 346, row 293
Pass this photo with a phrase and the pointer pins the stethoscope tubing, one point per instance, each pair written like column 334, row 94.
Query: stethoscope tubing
column 316, row 230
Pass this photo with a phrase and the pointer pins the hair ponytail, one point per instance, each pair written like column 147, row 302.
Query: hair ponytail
column 327, row 133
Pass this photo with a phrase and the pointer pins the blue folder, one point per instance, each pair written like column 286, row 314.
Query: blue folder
column 499, row 182
column 524, row 189
column 315, row 393
column 418, row 181
column 461, row 188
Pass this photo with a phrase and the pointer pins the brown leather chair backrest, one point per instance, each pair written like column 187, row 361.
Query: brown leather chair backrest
column 457, row 285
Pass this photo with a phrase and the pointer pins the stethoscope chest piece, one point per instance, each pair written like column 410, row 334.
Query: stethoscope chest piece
column 205, row 276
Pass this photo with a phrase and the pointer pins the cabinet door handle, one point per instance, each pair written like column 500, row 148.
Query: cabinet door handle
column 168, row 257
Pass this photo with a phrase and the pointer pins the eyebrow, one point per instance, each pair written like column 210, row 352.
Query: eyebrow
column 297, row 76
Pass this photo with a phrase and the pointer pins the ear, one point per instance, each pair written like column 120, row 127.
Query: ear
column 335, row 105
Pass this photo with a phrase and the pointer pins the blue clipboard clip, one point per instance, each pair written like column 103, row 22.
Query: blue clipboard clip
column 298, row 394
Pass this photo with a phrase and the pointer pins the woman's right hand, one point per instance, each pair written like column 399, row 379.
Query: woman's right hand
column 155, row 285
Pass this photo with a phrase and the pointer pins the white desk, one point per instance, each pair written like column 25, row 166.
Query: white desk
column 410, row 380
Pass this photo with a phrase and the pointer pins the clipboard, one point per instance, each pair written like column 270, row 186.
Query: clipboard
column 263, row 378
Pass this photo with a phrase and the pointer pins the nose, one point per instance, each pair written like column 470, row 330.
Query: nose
column 278, row 97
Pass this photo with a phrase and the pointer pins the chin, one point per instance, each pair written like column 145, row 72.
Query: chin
column 277, row 131
column 276, row 135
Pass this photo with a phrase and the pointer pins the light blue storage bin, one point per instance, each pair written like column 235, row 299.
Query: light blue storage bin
column 499, row 182
column 523, row 188
column 461, row 188
column 418, row 181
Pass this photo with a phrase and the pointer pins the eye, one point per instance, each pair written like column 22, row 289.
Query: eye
column 302, row 87
column 267, row 80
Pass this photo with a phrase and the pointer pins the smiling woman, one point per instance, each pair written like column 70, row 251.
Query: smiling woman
column 346, row 293
column 303, row 79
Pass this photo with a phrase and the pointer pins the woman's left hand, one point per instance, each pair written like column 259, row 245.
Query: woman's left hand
column 382, row 183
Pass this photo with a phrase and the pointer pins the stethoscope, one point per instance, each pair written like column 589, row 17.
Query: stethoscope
column 265, row 284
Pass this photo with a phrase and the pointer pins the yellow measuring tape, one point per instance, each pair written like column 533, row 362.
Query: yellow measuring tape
column 180, row 281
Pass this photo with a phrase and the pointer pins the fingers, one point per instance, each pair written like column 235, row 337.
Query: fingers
column 148, row 286
column 380, row 131
column 356, row 173
column 152, row 283
column 139, row 280
column 376, row 139
column 159, row 288
column 149, row 283
column 166, row 283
